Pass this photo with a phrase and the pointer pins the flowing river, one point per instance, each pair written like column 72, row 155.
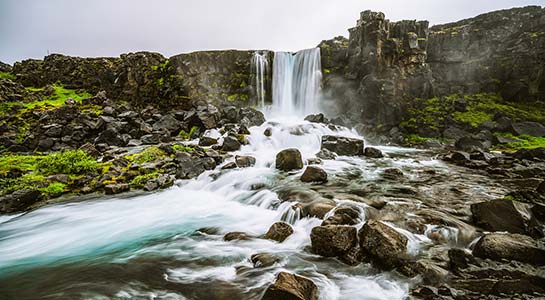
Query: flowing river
column 169, row 244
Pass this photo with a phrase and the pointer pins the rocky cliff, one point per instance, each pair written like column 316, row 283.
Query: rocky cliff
column 384, row 67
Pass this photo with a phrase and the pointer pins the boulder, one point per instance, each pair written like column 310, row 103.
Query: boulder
column 244, row 161
column 207, row 141
column 279, row 232
column 333, row 240
column 230, row 144
column 263, row 260
column 528, row 128
column 385, row 245
column 112, row 189
column 392, row 174
column 291, row 287
column 162, row 181
column 111, row 137
column 229, row 165
column 373, row 152
column 168, row 123
column 530, row 154
column 19, row 200
column 267, row 132
column 289, row 159
column 317, row 118
column 518, row 247
column 90, row 149
column 318, row 208
column 454, row 133
column 344, row 216
column 326, row 154
column 342, row 145
column 209, row 116
column 314, row 174
column 498, row 215
column 189, row 167
column 250, row 117
column 469, row 144
column 237, row 235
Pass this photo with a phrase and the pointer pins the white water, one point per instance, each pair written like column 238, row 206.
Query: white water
column 296, row 82
column 260, row 65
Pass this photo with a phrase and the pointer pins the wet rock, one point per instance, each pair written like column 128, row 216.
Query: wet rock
column 528, row 128
column 314, row 161
column 342, row 145
column 244, row 161
column 230, row 144
column 344, row 216
column 469, row 144
column 289, row 159
column 314, row 174
column 291, row 287
column 237, row 235
column 498, row 215
column 112, row 189
column 518, row 247
column 250, row 117
column 267, row 132
column 189, row 167
column 279, row 232
column 333, row 240
column 430, row 272
column 326, row 154
column 385, row 245
column 317, row 118
column 530, row 154
column 460, row 258
column 373, row 152
column 392, row 174
column 229, row 165
column 19, row 200
column 62, row 178
column 207, row 141
column 263, row 260
column 318, row 208
column 162, row 181
column 208, row 116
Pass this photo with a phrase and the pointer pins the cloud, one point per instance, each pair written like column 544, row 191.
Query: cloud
column 33, row 28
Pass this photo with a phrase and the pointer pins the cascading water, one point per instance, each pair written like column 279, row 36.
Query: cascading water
column 260, row 66
column 296, row 82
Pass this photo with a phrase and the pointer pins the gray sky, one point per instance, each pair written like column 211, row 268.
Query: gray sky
column 31, row 28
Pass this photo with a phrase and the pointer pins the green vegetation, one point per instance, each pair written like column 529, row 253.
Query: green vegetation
column 415, row 140
column 58, row 97
column 235, row 97
column 535, row 35
column 521, row 142
column 67, row 162
column 187, row 135
column 140, row 180
column 469, row 110
column 182, row 148
column 54, row 189
column 147, row 155
column 7, row 75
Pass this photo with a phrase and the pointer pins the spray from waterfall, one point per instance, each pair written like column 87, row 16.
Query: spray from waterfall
column 296, row 82
column 260, row 65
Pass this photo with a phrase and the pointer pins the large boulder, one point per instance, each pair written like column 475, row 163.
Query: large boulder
column 19, row 200
column 317, row 118
column 112, row 189
column 498, row 215
column 289, row 159
column 168, row 123
column 528, row 128
column 342, row 145
column 333, row 240
column 347, row 215
column 279, row 232
column 373, row 152
column 291, row 287
column 251, row 117
column 230, row 144
column 244, row 161
column 518, row 247
column 314, row 174
column 385, row 245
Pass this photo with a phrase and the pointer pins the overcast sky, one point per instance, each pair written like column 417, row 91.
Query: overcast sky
column 32, row 28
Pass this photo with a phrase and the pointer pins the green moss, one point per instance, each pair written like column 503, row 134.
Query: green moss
column 7, row 75
column 415, row 140
column 67, row 162
column 535, row 35
column 243, row 84
column 232, row 97
column 140, row 180
column 521, row 142
column 58, row 98
column 24, row 163
column 182, row 148
column 149, row 154
column 54, row 189
column 327, row 71
column 187, row 135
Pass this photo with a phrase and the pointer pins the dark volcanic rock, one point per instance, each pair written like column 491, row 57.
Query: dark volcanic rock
column 291, row 287
column 498, row 215
column 112, row 189
column 19, row 200
column 230, row 144
column 373, row 152
column 279, row 232
column 289, row 159
column 386, row 246
column 510, row 247
column 314, row 174
column 244, row 161
column 263, row 260
column 317, row 118
column 207, row 141
column 342, row 145
column 528, row 128
column 333, row 240
column 251, row 117
column 236, row 235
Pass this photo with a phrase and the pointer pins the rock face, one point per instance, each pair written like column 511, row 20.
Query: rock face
column 279, row 232
column 291, row 287
column 386, row 246
column 498, row 215
column 19, row 200
column 375, row 74
column 333, row 240
column 510, row 247
column 289, row 159
column 342, row 145
column 314, row 174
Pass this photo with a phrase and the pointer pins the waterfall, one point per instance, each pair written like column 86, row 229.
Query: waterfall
column 296, row 82
column 260, row 64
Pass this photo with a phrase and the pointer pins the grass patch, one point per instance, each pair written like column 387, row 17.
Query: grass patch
column 187, row 135
column 182, row 148
column 521, row 142
column 24, row 163
column 54, row 189
column 7, row 75
column 140, row 180
column 149, row 154
column 58, row 97
column 67, row 162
